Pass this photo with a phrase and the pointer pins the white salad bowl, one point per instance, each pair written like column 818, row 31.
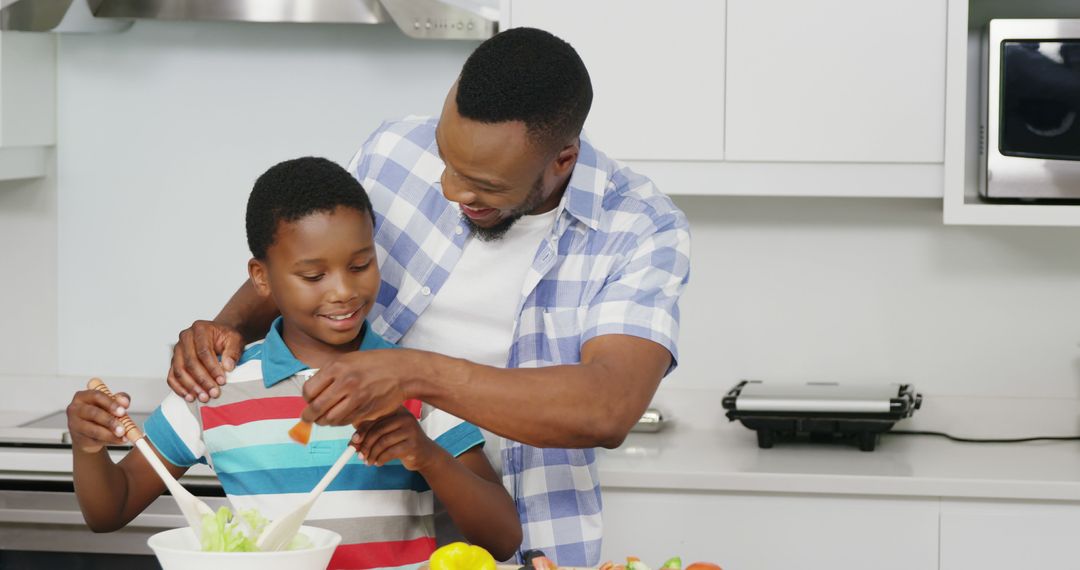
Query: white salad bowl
column 179, row 549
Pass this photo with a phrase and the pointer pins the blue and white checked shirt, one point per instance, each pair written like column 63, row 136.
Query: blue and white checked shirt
column 616, row 262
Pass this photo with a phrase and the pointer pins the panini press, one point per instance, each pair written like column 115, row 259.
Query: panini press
column 823, row 411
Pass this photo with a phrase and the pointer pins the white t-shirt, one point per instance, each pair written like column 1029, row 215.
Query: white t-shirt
column 472, row 316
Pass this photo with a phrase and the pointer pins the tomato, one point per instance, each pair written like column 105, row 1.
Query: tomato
column 703, row 566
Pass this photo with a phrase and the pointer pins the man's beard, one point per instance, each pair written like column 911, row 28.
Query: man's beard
column 498, row 231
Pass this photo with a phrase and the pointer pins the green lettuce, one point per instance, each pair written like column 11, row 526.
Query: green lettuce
column 222, row 532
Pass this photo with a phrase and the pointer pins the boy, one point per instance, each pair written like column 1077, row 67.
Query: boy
column 309, row 227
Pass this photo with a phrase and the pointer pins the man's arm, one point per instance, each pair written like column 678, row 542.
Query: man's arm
column 591, row 404
column 196, row 370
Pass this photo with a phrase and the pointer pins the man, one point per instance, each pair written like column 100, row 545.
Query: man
column 533, row 282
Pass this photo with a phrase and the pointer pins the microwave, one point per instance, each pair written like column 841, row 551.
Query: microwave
column 1030, row 131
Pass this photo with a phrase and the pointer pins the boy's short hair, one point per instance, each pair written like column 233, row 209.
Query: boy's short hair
column 297, row 188
column 527, row 75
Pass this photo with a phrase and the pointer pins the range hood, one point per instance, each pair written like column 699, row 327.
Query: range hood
column 421, row 19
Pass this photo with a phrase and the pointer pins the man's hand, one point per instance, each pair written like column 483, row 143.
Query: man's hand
column 396, row 436
column 360, row 386
column 195, row 369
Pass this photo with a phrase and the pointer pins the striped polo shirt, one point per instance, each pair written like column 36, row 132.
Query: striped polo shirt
column 385, row 515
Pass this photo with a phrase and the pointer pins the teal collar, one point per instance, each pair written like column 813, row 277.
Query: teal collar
column 279, row 363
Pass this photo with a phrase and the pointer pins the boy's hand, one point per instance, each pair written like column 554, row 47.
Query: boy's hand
column 396, row 436
column 94, row 420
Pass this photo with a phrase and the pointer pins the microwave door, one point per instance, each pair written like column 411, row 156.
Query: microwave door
column 1040, row 99
column 1033, row 94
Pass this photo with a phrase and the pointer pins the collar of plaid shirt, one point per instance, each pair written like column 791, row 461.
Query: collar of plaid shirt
column 616, row 262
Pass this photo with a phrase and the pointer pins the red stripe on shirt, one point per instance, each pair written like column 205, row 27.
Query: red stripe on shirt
column 381, row 554
column 240, row 413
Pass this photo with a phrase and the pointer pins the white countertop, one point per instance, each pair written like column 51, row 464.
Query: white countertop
column 728, row 460
column 702, row 451
column 713, row 454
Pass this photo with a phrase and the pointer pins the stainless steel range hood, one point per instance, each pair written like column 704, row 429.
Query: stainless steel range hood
column 298, row 11
column 421, row 19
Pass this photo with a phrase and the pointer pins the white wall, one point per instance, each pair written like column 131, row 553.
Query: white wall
column 878, row 289
column 163, row 130
column 28, row 255
column 164, row 127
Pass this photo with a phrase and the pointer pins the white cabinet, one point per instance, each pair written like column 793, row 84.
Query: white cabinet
column 657, row 71
column 768, row 531
column 771, row 532
column 1006, row 536
column 836, row 81
column 27, row 102
column 763, row 97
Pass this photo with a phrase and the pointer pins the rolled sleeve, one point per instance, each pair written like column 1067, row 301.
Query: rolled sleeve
column 641, row 297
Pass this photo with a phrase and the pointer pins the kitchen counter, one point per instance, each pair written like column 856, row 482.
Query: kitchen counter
column 724, row 456
column 730, row 461
column 702, row 451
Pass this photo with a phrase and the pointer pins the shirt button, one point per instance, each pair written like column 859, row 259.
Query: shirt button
column 459, row 230
column 426, row 291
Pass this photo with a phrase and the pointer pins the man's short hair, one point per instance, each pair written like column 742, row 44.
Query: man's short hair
column 297, row 188
column 528, row 75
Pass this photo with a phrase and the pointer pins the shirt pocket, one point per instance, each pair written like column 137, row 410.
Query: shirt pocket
column 562, row 333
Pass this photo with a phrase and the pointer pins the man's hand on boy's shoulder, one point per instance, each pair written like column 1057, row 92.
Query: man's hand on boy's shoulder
column 396, row 436
column 361, row 386
column 196, row 371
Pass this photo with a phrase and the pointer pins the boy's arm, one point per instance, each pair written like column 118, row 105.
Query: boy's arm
column 112, row 494
column 466, row 485
column 474, row 497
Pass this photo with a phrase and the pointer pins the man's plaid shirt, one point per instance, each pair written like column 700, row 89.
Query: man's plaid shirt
column 616, row 262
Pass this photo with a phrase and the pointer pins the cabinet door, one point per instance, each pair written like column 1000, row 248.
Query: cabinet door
column 769, row 532
column 836, row 80
column 1007, row 536
column 657, row 71
column 27, row 89
column 27, row 103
